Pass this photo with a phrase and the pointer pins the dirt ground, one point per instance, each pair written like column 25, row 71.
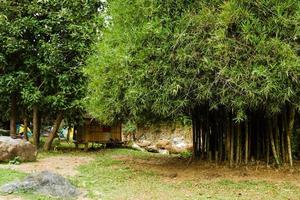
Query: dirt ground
column 177, row 169
column 63, row 165
column 169, row 167
column 10, row 197
column 172, row 169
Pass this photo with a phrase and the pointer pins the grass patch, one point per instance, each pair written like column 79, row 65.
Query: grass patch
column 128, row 174
column 109, row 178
column 10, row 175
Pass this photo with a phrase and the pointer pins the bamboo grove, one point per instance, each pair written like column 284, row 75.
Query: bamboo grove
column 232, row 66
column 216, row 137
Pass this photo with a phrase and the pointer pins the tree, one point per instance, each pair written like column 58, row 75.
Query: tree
column 55, row 40
column 230, row 66
column 14, row 52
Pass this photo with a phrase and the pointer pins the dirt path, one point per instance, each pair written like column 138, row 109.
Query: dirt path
column 10, row 197
column 63, row 165
column 176, row 170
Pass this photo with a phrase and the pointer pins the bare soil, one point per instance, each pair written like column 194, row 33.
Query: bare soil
column 171, row 169
column 63, row 165
column 178, row 169
column 10, row 197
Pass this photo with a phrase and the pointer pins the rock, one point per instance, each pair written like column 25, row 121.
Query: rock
column 152, row 149
column 162, row 143
column 163, row 151
column 178, row 146
column 46, row 183
column 175, row 150
column 179, row 142
column 11, row 148
column 144, row 143
column 137, row 147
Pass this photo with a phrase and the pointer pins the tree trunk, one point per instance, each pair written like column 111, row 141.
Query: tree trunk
column 228, row 137
column 203, row 134
column 238, row 148
column 282, row 138
column 291, row 120
column 258, row 138
column 267, row 143
column 246, row 142
column 36, row 126
column 53, row 133
column 273, row 143
column 285, row 125
column 250, row 138
column 231, row 143
column 13, row 117
column 221, row 151
column 276, row 129
column 25, row 129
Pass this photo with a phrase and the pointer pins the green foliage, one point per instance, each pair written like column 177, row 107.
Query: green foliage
column 130, row 127
column 43, row 46
column 10, row 175
column 164, row 58
column 186, row 154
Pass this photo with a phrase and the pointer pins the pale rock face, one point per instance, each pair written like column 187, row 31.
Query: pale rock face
column 11, row 148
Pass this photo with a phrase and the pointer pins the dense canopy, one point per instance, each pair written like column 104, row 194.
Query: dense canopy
column 166, row 57
column 43, row 47
column 219, row 62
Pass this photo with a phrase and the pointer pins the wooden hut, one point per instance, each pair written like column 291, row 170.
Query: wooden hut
column 93, row 131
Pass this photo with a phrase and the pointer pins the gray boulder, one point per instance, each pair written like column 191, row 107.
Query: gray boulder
column 11, row 148
column 46, row 183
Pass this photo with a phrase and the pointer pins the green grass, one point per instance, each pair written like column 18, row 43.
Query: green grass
column 7, row 175
column 112, row 179
column 109, row 178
